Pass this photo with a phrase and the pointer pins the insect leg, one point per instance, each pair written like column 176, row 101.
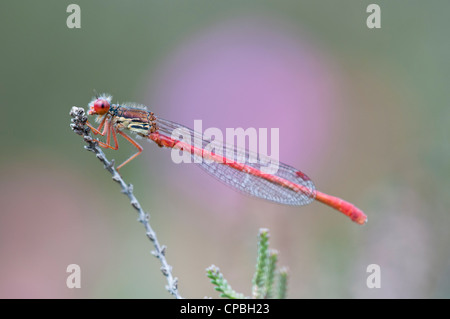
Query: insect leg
column 129, row 139
column 97, row 130
column 107, row 130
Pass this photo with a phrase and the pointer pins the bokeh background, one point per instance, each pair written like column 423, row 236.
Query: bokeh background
column 365, row 113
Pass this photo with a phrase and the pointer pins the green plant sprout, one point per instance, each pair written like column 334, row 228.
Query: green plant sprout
column 263, row 279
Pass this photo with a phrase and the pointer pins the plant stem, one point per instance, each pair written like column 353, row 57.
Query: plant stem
column 78, row 125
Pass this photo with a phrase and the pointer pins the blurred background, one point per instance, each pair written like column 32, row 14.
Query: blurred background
column 365, row 113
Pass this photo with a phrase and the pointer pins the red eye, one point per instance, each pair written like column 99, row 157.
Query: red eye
column 101, row 106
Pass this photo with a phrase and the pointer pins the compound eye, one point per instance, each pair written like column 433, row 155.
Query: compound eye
column 101, row 106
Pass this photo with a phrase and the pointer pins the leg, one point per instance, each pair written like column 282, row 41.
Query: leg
column 116, row 147
column 107, row 130
column 97, row 130
column 129, row 139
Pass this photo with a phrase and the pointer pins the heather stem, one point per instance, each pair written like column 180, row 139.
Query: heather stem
column 78, row 125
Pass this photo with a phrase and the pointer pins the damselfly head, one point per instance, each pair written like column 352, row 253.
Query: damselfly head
column 100, row 105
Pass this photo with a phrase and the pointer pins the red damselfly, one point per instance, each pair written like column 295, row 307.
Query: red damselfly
column 286, row 186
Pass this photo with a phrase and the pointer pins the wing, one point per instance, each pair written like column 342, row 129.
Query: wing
column 272, row 187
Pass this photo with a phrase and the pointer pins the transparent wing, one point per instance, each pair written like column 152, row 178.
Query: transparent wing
column 240, row 179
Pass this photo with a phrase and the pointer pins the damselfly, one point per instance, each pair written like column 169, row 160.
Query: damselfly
column 286, row 186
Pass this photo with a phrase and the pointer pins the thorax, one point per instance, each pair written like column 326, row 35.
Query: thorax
column 136, row 120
